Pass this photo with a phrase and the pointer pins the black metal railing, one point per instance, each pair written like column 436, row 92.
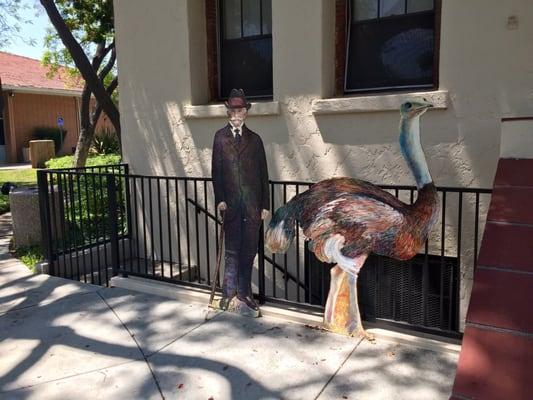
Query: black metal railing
column 102, row 222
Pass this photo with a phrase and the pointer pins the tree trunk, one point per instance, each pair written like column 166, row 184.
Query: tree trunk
column 87, row 121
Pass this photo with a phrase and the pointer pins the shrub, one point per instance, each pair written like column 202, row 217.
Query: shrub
column 30, row 255
column 68, row 161
column 105, row 142
column 44, row 133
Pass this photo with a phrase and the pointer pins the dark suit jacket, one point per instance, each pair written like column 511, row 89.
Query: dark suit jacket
column 240, row 173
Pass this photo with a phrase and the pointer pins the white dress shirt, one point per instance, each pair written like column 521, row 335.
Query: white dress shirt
column 234, row 130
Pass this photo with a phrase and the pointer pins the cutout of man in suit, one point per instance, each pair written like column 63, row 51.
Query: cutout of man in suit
column 240, row 180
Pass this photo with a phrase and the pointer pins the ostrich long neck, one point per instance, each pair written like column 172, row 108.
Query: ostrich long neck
column 412, row 150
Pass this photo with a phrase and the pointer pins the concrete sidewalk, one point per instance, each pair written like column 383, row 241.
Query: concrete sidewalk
column 64, row 339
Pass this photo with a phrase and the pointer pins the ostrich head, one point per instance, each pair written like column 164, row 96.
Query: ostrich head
column 414, row 107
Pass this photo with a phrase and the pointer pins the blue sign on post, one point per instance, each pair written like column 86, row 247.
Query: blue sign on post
column 60, row 123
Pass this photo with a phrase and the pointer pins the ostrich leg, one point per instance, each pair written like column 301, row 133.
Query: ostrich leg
column 342, row 308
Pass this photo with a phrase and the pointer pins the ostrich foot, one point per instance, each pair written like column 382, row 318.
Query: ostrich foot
column 365, row 335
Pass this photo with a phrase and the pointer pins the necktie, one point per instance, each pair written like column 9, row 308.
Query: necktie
column 237, row 137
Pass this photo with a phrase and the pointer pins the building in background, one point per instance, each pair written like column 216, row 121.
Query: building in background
column 32, row 100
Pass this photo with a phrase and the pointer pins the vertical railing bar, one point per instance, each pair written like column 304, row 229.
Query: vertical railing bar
column 72, row 206
column 307, row 297
column 134, row 220
column 425, row 282
column 178, row 229
column 217, row 216
column 457, row 274
column 185, row 184
column 97, row 228
column 127, row 186
column 104, row 226
column 261, row 263
column 121, row 189
column 167, row 183
column 272, row 209
column 90, row 226
column 297, row 253
column 55, row 229
column 145, row 239
column 62, row 222
column 113, row 223
column 323, row 285
column 207, row 260
column 197, row 231
column 162, row 256
column 82, row 244
column 152, row 247
column 476, row 230
column 285, row 275
column 442, row 252
column 67, row 223
column 64, row 219
column 410, row 273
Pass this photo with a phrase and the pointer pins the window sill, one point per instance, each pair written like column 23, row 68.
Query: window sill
column 219, row 110
column 388, row 102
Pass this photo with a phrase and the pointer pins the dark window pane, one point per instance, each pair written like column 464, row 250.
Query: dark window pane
column 392, row 7
column 391, row 53
column 419, row 5
column 247, row 64
column 364, row 9
column 251, row 17
column 232, row 19
column 267, row 16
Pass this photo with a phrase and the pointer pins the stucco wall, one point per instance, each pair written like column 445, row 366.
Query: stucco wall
column 485, row 67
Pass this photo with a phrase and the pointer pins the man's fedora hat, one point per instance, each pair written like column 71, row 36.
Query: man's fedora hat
column 237, row 99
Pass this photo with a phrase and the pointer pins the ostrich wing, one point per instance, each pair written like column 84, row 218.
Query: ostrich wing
column 353, row 224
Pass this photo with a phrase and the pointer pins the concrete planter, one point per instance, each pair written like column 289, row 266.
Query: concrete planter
column 24, row 204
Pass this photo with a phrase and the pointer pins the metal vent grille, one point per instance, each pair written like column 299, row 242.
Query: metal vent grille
column 419, row 293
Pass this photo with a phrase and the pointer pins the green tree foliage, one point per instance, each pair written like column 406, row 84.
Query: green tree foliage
column 83, row 31
column 11, row 22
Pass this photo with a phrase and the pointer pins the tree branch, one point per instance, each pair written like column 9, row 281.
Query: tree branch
column 82, row 63
column 109, row 66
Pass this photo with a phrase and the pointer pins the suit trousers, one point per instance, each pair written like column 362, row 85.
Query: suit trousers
column 241, row 235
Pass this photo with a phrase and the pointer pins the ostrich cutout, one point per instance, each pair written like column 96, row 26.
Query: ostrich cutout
column 346, row 219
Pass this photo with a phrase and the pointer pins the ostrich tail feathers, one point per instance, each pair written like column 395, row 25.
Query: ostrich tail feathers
column 281, row 229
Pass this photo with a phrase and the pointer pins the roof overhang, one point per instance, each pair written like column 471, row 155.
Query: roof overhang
column 47, row 91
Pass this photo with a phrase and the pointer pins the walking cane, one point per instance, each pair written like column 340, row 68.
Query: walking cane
column 219, row 261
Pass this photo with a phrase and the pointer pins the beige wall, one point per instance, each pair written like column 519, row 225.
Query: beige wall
column 485, row 67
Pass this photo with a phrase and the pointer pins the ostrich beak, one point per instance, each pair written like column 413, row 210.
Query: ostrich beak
column 423, row 107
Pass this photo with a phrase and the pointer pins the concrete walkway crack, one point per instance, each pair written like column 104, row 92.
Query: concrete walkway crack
column 136, row 343
column 182, row 335
column 338, row 369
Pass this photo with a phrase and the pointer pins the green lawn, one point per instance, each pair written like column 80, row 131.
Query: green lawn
column 20, row 177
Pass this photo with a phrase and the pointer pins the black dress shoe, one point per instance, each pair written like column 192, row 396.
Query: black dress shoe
column 249, row 301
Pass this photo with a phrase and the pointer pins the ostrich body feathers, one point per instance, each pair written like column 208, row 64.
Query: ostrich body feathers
column 344, row 218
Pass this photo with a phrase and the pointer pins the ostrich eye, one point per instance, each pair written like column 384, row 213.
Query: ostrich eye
column 408, row 105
